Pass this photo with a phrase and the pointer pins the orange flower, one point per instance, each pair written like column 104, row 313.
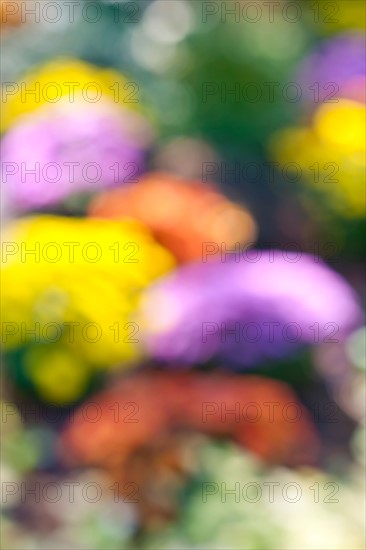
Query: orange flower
column 183, row 215
column 144, row 408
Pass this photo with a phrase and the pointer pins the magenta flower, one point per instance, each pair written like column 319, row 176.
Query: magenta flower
column 246, row 312
column 65, row 149
column 336, row 69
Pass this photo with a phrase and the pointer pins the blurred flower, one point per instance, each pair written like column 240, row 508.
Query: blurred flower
column 263, row 307
column 331, row 154
column 147, row 429
column 335, row 69
column 233, row 502
column 69, row 289
column 142, row 409
column 184, row 216
column 65, row 149
column 68, row 79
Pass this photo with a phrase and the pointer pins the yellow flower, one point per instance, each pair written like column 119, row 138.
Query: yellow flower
column 69, row 79
column 73, row 284
column 331, row 154
column 342, row 126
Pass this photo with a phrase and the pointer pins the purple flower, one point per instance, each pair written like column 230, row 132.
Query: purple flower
column 335, row 69
column 67, row 148
column 248, row 311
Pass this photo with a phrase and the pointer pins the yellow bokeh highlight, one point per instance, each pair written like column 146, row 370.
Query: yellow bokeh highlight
column 59, row 375
column 331, row 154
column 342, row 125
